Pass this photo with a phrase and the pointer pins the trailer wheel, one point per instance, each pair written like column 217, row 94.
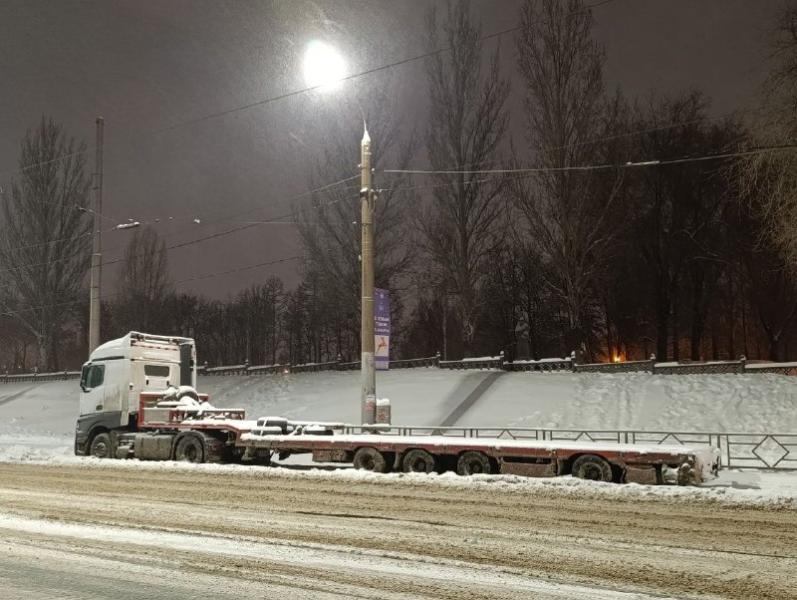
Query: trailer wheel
column 101, row 446
column 419, row 461
column 370, row 459
column 474, row 463
column 592, row 467
column 190, row 449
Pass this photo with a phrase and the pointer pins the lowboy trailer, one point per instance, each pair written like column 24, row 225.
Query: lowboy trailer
column 150, row 424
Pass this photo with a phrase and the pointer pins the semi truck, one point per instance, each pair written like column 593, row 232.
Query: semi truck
column 139, row 400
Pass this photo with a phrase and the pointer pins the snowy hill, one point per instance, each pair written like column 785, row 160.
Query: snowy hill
column 745, row 403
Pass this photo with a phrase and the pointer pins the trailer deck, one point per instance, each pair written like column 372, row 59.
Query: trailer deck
column 641, row 463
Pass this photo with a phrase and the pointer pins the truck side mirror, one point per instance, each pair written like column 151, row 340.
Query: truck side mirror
column 83, row 387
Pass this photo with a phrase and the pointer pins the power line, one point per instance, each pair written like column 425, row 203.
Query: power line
column 46, row 162
column 305, row 90
column 489, row 172
column 239, row 269
column 357, row 75
column 626, row 165
column 249, row 225
column 272, row 100
column 181, row 244
column 197, row 278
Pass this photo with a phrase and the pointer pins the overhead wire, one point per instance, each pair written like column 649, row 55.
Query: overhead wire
column 595, row 167
column 301, row 91
column 179, row 282
column 188, row 242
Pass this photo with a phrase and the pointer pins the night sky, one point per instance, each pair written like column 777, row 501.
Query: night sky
column 148, row 66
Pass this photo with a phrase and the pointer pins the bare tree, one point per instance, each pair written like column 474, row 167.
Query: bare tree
column 467, row 122
column 44, row 244
column 144, row 283
column 770, row 179
column 567, row 210
column 329, row 223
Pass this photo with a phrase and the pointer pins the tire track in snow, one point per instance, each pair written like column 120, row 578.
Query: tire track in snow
column 253, row 528
column 470, row 399
column 12, row 397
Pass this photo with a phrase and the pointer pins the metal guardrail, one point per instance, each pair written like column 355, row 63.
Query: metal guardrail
column 631, row 366
column 540, row 366
column 478, row 363
column 489, row 362
column 769, row 451
column 246, row 369
column 59, row 376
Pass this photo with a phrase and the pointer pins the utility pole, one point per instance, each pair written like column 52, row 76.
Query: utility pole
column 368, row 396
column 96, row 253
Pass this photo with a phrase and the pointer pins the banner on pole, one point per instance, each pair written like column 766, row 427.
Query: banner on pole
column 381, row 329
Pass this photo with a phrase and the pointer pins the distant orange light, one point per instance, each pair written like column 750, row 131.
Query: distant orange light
column 618, row 358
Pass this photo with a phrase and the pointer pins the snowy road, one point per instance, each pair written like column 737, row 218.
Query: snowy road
column 77, row 531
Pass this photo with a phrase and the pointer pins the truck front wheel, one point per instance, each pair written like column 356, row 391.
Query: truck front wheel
column 370, row 459
column 101, row 446
column 592, row 467
column 190, row 449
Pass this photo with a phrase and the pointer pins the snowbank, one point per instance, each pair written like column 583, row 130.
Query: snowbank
column 642, row 401
column 771, row 490
column 37, row 421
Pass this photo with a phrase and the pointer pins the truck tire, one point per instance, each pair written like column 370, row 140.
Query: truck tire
column 101, row 446
column 474, row 463
column 418, row 461
column 592, row 467
column 190, row 448
column 370, row 459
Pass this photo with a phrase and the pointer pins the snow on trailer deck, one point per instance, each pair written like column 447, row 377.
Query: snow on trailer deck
column 545, row 454
column 639, row 463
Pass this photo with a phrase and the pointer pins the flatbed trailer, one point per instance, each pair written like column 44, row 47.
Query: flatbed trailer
column 197, row 434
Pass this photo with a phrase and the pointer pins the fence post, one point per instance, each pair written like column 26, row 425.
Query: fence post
column 652, row 362
column 742, row 363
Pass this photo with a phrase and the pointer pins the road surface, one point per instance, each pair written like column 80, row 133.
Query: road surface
column 69, row 531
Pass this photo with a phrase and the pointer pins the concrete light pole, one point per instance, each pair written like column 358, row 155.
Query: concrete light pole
column 368, row 396
column 96, row 253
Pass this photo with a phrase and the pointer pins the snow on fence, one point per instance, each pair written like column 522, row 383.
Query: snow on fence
column 59, row 376
column 544, row 365
column 772, row 451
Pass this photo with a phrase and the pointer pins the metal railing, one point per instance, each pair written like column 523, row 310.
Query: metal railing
column 546, row 365
column 58, row 376
column 770, row 451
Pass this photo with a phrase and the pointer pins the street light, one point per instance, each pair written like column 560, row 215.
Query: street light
column 324, row 67
column 368, row 394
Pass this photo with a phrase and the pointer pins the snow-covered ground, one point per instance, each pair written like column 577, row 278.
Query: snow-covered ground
column 727, row 403
column 37, row 420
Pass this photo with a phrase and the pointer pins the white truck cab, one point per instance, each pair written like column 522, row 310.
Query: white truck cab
column 118, row 371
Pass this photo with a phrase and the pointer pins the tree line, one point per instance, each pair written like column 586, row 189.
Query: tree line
column 584, row 220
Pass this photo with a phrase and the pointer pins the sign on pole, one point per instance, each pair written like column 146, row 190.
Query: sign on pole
column 381, row 329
